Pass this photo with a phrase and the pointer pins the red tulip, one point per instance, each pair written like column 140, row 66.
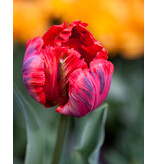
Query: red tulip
column 67, row 66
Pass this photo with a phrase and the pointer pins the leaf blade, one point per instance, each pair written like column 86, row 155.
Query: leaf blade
column 85, row 137
column 35, row 146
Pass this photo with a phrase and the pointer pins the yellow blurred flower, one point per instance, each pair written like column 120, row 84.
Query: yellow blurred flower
column 118, row 24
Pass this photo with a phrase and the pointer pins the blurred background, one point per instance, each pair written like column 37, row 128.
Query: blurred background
column 119, row 26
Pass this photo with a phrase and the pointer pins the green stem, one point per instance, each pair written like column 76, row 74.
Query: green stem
column 59, row 140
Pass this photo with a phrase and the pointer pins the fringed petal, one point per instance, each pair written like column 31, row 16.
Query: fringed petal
column 84, row 42
column 75, row 36
column 52, row 34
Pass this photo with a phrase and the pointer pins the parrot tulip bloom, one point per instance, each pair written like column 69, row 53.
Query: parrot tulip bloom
column 68, row 67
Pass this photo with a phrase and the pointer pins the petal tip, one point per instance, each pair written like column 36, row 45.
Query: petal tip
column 58, row 109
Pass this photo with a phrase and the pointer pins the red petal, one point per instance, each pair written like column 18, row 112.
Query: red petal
column 84, row 42
column 53, row 33
column 60, row 62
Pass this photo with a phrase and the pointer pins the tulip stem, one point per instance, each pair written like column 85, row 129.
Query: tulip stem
column 60, row 139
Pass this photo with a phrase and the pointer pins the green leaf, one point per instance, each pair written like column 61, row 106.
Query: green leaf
column 35, row 139
column 85, row 137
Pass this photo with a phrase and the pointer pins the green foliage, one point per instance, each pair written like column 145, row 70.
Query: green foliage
column 35, row 139
column 85, row 137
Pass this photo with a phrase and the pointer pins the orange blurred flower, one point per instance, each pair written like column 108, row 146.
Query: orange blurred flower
column 117, row 24
column 30, row 18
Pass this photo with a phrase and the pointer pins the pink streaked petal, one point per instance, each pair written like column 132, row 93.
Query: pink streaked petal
column 34, row 77
column 102, row 71
column 33, row 47
column 81, row 95
column 88, row 88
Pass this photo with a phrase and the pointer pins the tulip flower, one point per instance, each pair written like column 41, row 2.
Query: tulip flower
column 68, row 67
